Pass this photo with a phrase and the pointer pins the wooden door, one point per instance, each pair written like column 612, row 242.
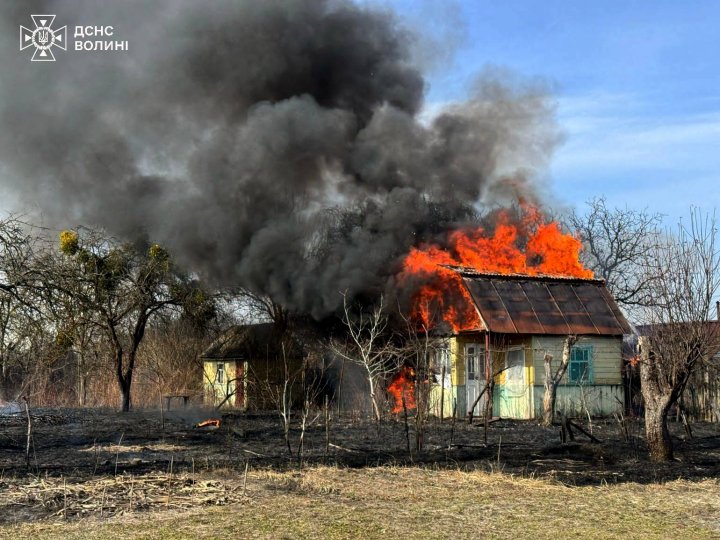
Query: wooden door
column 515, row 391
column 475, row 377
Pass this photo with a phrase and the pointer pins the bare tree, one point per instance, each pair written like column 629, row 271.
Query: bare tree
column 25, row 327
column 295, row 392
column 279, row 391
column 684, row 281
column 118, row 288
column 18, row 247
column 421, row 351
column 261, row 307
column 170, row 357
column 617, row 242
column 552, row 380
column 367, row 346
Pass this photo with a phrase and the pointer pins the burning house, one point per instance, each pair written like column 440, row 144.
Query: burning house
column 505, row 299
column 520, row 319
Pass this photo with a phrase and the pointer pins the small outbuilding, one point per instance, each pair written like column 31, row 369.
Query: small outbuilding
column 246, row 364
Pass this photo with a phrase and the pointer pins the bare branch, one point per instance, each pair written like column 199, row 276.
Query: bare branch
column 617, row 243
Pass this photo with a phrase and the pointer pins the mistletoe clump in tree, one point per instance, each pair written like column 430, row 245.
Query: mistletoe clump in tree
column 118, row 288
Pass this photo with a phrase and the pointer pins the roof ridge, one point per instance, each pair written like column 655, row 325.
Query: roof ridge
column 466, row 271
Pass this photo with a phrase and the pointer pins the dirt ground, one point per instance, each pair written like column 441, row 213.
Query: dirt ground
column 101, row 463
column 79, row 445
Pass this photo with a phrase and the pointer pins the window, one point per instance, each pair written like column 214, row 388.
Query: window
column 580, row 368
column 220, row 373
column 442, row 360
column 471, row 357
column 475, row 361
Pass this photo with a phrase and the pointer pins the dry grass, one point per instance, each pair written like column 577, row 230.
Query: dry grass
column 388, row 502
column 109, row 496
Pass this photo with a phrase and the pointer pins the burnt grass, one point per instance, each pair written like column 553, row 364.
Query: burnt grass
column 83, row 443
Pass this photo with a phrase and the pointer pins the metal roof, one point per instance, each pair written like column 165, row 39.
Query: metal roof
column 250, row 341
column 520, row 304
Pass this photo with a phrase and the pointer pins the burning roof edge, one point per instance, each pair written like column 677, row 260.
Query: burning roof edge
column 465, row 271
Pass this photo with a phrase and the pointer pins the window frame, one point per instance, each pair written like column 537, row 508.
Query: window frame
column 521, row 366
column 220, row 373
column 478, row 356
column 469, row 363
column 442, row 359
column 587, row 375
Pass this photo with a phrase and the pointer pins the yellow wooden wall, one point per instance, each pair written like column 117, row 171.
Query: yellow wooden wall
column 215, row 392
column 601, row 397
column 497, row 349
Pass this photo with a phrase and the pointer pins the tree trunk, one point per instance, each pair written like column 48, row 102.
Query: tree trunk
column 125, row 391
column 82, row 379
column 550, row 392
column 656, row 430
column 658, row 397
column 126, row 383
column 82, row 390
column 376, row 409
column 124, row 379
column 373, row 398
column 552, row 381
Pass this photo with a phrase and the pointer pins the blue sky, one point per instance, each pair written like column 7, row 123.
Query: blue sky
column 637, row 86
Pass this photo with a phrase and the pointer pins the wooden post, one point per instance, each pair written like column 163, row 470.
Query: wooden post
column 338, row 394
column 327, row 427
column 162, row 415
column 117, row 454
column 407, row 427
column 29, row 434
column 488, row 385
column 244, row 487
column 452, row 423
column 442, row 394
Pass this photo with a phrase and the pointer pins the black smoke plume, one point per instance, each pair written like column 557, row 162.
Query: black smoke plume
column 281, row 146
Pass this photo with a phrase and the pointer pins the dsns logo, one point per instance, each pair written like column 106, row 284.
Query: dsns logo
column 43, row 38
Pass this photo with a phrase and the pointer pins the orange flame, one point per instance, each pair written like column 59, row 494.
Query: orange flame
column 402, row 386
column 210, row 422
column 531, row 247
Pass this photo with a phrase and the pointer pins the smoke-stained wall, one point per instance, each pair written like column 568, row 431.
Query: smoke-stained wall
column 275, row 145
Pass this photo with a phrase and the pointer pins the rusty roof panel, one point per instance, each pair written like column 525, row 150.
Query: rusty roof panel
column 519, row 307
column 546, row 310
column 544, row 305
column 494, row 312
column 617, row 315
column 602, row 316
column 572, row 308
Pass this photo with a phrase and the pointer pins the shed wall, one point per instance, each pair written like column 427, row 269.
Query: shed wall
column 606, row 357
column 601, row 397
column 232, row 384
